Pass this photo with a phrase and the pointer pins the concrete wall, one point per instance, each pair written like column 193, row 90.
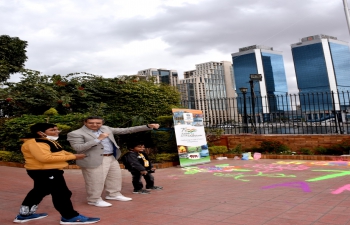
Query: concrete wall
column 293, row 141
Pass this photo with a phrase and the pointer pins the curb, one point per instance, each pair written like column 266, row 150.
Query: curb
column 295, row 157
column 156, row 165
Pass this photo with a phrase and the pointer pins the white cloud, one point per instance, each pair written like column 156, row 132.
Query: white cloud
column 115, row 37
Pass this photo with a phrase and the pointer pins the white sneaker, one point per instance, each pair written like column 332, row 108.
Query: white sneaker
column 100, row 203
column 119, row 198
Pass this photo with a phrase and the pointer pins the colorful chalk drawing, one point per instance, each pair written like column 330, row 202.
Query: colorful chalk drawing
column 338, row 173
column 341, row 189
column 303, row 185
column 239, row 176
column 250, row 171
column 317, row 163
column 211, row 169
column 276, row 168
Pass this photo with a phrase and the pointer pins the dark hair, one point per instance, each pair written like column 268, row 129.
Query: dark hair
column 131, row 144
column 40, row 127
column 94, row 118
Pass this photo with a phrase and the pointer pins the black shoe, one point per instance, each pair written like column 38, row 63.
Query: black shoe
column 142, row 191
column 155, row 188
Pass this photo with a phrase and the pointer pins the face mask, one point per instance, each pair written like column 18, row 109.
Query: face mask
column 54, row 138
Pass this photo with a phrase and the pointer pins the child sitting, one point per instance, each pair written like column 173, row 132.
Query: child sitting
column 138, row 164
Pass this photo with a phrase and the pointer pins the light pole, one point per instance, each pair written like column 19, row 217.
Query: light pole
column 244, row 92
column 346, row 9
column 253, row 77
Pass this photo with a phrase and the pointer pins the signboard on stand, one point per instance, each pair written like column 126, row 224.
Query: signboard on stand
column 190, row 137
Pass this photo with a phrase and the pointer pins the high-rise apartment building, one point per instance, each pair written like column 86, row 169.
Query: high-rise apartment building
column 161, row 75
column 210, row 88
column 322, row 66
column 258, row 59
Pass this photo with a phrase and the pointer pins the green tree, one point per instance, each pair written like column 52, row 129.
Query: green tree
column 12, row 130
column 120, row 99
column 34, row 94
column 12, row 56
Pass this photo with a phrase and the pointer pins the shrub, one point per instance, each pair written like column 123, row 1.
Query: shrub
column 306, row 151
column 319, row 150
column 7, row 156
column 236, row 150
column 340, row 149
column 164, row 140
column 165, row 121
column 217, row 150
column 51, row 112
column 163, row 157
column 213, row 134
column 273, row 147
column 12, row 130
column 254, row 149
column 284, row 149
column 155, row 157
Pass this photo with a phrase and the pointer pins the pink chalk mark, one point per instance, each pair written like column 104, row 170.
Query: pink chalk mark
column 302, row 185
column 341, row 189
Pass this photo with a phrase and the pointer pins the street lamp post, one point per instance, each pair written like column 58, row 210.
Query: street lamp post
column 245, row 121
column 253, row 77
column 251, row 82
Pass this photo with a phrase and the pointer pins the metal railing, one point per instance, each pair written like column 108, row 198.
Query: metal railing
column 302, row 113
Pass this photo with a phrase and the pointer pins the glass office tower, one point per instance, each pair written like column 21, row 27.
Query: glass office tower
column 271, row 92
column 161, row 75
column 322, row 67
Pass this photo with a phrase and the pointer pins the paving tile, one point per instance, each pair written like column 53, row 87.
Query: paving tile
column 311, row 208
column 251, row 218
column 211, row 215
column 340, row 210
column 262, row 210
column 230, row 208
column 191, row 221
column 282, row 221
column 301, row 215
column 335, row 219
column 251, row 197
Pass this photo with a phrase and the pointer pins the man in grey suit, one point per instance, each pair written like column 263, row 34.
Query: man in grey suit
column 100, row 167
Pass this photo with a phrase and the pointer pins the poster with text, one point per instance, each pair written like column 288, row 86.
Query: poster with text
column 190, row 137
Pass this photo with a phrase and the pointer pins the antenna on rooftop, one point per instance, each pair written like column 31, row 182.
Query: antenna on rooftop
column 346, row 9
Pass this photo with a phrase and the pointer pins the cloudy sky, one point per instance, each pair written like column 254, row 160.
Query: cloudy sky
column 121, row 37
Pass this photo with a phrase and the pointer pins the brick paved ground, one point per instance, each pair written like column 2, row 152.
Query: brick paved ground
column 223, row 192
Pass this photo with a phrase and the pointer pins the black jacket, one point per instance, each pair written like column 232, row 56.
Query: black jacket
column 133, row 161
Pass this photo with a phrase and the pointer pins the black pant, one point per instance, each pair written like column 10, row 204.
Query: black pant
column 52, row 182
column 137, row 183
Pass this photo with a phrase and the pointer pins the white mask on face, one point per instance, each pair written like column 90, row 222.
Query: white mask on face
column 54, row 138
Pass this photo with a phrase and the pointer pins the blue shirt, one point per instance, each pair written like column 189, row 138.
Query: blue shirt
column 107, row 144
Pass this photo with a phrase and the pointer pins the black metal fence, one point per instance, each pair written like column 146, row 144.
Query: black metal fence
column 303, row 113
